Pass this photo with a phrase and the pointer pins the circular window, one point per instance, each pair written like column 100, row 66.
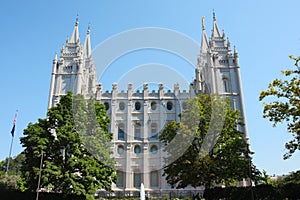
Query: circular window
column 137, row 149
column 106, row 105
column 153, row 105
column 121, row 105
column 169, row 105
column 120, row 149
column 153, row 149
column 137, row 105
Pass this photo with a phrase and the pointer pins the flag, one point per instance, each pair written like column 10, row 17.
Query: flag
column 14, row 126
column 13, row 129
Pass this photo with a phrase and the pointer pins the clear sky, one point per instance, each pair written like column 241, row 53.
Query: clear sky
column 265, row 33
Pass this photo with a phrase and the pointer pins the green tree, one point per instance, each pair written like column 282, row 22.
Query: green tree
column 75, row 145
column 10, row 180
column 216, row 152
column 284, row 105
column 14, row 166
column 292, row 178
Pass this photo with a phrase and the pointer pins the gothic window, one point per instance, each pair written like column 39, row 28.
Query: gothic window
column 154, row 130
column 226, row 84
column 121, row 105
column 137, row 105
column 154, row 179
column 137, row 179
column 137, row 131
column 121, row 132
column 121, row 179
column 153, row 105
column 106, row 105
column 66, row 84
column 169, row 105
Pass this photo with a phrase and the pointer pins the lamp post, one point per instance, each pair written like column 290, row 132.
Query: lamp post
column 40, row 173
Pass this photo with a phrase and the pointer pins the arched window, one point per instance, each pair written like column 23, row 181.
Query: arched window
column 169, row 105
column 137, row 131
column 137, row 105
column 120, row 149
column 137, row 179
column 121, row 132
column 153, row 105
column 153, row 128
column 225, row 84
column 154, row 179
column 121, row 105
column 121, row 179
column 137, row 149
column 106, row 105
column 153, row 149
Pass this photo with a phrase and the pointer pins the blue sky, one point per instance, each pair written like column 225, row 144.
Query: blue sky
column 265, row 33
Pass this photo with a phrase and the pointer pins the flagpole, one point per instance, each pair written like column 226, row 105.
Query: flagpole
column 11, row 143
column 8, row 162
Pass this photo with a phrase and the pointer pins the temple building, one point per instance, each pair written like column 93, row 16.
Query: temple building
column 137, row 117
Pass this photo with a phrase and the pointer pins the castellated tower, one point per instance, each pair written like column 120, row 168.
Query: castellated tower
column 138, row 117
column 218, row 70
column 74, row 70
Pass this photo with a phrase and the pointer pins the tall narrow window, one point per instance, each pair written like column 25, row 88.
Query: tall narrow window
column 154, row 130
column 137, row 105
column 106, row 105
column 154, row 179
column 137, row 179
column 121, row 178
column 137, row 131
column 121, row 133
column 225, row 85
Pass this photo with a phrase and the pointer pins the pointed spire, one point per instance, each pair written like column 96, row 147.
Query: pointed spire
column 215, row 31
column 75, row 34
column 87, row 49
column 55, row 57
column 235, row 51
column 62, row 49
column 228, row 43
column 203, row 25
column 204, row 41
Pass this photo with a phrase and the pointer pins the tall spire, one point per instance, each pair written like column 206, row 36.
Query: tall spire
column 204, row 40
column 87, row 49
column 75, row 34
column 215, row 31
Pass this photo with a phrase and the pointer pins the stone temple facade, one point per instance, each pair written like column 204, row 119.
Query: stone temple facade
column 137, row 117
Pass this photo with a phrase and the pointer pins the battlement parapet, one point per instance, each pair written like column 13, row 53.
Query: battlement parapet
column 161, row 93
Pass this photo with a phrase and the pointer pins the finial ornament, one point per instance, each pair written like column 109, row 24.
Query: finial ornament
column 89, row 28
column 203, row 27
column 214, row 15
column 76, row 20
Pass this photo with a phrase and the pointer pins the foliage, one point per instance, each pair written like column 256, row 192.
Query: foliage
column 11, row 180
column 64, row 139
column 217, row 153
column 264, row 179
column 14, row 166
column 284, row 105
column 292, row 178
